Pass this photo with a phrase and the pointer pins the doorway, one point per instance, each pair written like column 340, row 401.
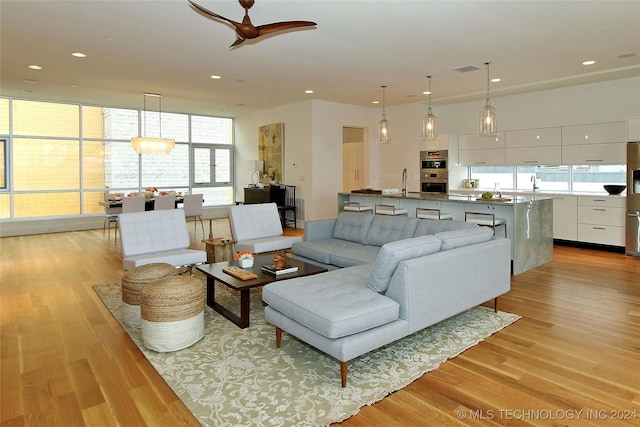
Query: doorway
column 354, row 158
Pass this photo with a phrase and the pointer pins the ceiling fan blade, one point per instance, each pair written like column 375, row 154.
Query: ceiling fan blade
column 215, row 15
column 237, row 42
column 279, row 26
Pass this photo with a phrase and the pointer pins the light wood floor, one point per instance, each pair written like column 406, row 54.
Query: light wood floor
column 65, row 361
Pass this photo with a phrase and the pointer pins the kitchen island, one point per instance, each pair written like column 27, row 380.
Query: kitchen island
column 529, row 219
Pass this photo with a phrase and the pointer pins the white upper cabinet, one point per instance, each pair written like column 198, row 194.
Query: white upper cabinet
column 533, row 138
column 476, row 150
column 473, row 141
column 602, row 143
column 534, row 146
column 600, row 133
column 633, row 129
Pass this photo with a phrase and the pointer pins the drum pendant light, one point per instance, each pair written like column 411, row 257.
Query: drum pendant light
column 429, row 122
column 384, row 135
column 148, row 145
column 488, row 115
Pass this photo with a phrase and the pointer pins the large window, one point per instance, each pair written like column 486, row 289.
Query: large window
column 583, row 178
column 59, row 159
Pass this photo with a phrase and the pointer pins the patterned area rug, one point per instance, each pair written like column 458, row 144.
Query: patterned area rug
column 237, row 377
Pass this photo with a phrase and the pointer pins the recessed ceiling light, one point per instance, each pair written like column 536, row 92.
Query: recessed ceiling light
column 35, row 67
column 216, row 77
column 496, row 80
column 376, row 102
column 78, row 54
column 426, row 92
column 308, row 91
column 590, row 62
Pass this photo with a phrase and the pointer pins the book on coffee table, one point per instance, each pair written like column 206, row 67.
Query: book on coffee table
column 276, row 271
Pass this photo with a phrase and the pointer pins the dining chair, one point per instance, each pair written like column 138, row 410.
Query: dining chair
column 193, row 209
column 164, row 202
column 110, row 217
column 133, row 204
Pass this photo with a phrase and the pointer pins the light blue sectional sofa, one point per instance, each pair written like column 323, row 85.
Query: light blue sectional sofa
column 389, row 277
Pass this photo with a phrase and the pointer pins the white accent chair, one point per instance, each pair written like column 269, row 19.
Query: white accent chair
column 257, row 227
column 157, row 236
column 382, row 209
column 431, row 213
column 164, row 202
column 193, row 209
column 486, row 220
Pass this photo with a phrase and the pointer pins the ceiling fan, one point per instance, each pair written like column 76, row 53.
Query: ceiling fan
column 246, row 30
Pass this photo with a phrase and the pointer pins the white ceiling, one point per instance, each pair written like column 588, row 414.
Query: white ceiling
column 167, row 47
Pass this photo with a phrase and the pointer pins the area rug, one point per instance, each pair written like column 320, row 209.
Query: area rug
column 237, row 377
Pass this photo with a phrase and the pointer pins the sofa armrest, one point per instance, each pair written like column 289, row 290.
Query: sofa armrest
column 319, row 230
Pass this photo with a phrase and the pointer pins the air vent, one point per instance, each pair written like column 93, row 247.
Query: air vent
column 466, row 68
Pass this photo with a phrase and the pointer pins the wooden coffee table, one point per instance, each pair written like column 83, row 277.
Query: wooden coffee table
column 214, row 273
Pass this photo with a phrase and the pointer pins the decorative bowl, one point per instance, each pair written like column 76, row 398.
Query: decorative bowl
column 614, row 189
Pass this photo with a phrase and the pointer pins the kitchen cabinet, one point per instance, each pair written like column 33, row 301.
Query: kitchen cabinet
column 565, row 218
column 440, row 143
column 587, row 154
column 602, row 143
column 601, row 220
column 476, row 150
column 599, row 133
column 533, row 146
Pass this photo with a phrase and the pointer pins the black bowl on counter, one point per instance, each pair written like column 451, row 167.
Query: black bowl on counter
column 614, row 189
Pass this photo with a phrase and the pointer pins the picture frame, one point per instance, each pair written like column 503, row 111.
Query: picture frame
column 271, row 151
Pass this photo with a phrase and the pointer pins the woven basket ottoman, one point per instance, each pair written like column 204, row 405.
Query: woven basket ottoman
column 134, row 281
column 172, row 312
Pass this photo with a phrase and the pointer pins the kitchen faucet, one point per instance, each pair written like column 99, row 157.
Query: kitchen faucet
column 404, row 182
column 535, row 183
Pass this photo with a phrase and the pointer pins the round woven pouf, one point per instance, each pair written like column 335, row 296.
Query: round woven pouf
column 134, row 281
column 172, row 312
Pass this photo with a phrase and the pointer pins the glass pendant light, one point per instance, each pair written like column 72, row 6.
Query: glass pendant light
column 429, row 122
column 384, row 135
column 488, row 115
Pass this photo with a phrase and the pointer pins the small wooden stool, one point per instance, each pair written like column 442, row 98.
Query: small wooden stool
column 134, row 281
column 172, row 311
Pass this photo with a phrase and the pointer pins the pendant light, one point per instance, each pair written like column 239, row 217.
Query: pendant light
column 146, row 144
column 384, row 135
column 429, row 122
column 488, row 115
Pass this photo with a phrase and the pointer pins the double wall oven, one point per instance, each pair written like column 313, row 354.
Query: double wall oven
column 434, row 176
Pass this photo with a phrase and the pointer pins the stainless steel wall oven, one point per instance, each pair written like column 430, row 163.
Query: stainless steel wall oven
column 434, row 175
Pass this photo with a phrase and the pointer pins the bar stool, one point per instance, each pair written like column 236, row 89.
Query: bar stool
column 356, row 207
column 486, row 220
column 432, row 213
column 389, row 210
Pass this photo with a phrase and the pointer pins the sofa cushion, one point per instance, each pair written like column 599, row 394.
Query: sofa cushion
column 389, row 229
column 334, row 304
column 433, row 226
column 469, row 236
column 355, row 254
column 353, row 227
column 394, row 252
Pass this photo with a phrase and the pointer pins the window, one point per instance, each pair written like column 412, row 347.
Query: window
column 593, row 177
column 489, row 176
column 548, row 178
column 60, row 158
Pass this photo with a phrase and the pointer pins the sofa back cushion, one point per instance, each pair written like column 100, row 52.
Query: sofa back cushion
column 393, row 252
column 385, row 229
column 254, row 221
column 464, row 237
column 353, row 227
column 433, row 226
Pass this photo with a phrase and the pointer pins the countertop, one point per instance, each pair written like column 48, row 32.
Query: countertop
column 453, row 197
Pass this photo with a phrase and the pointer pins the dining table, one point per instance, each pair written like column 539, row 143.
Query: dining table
column 114, row 206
